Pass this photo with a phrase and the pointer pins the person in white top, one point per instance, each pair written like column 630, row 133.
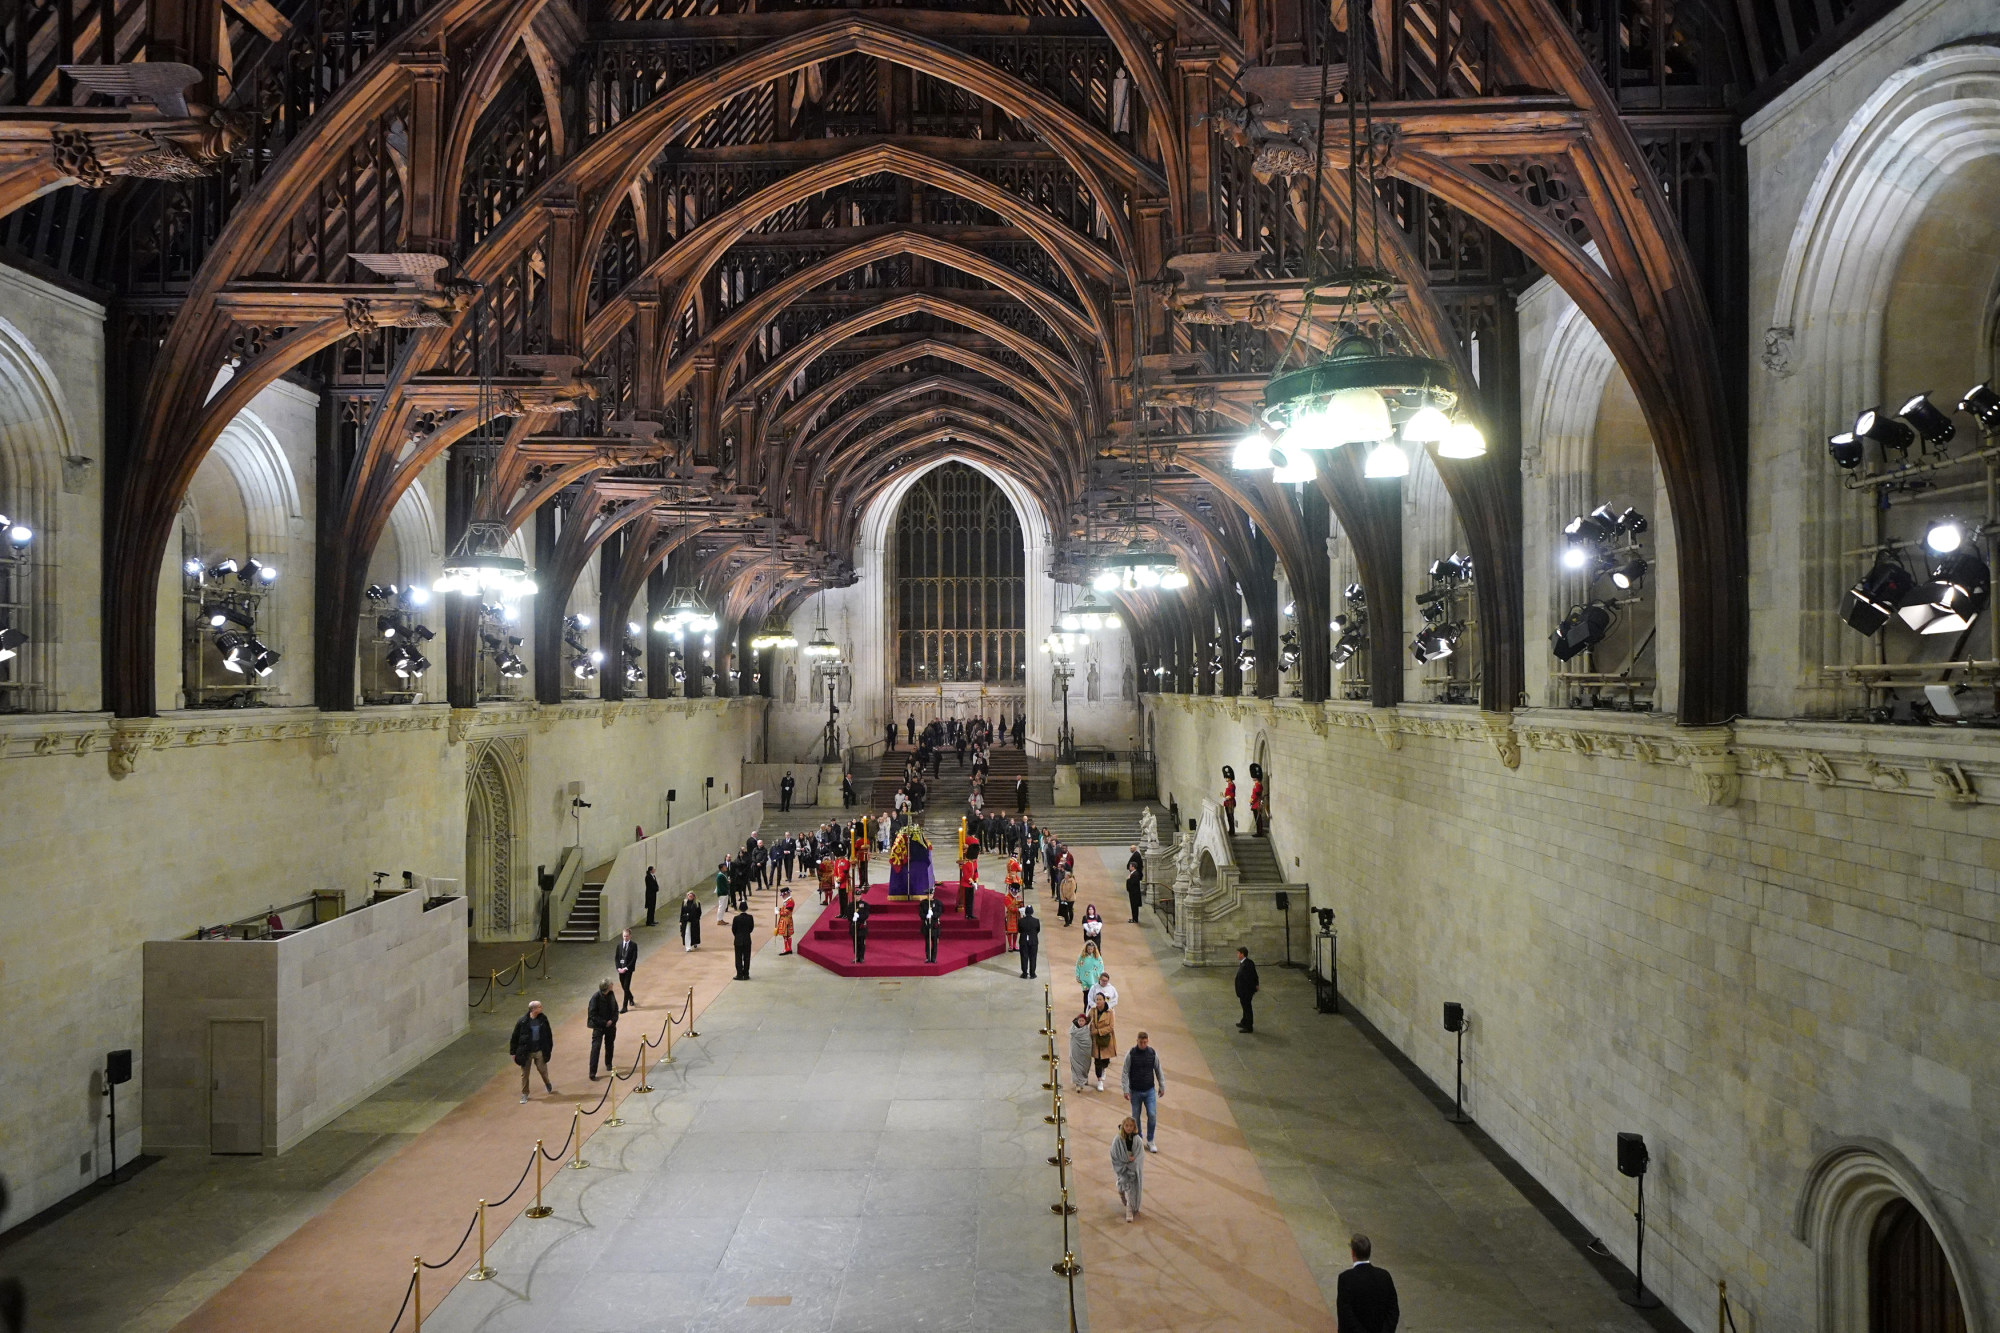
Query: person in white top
column 1103, row 987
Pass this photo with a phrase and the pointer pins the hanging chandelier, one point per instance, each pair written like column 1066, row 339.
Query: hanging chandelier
column 478, row 564
column 1139, row 565
column 1088, row 615
column 1370, row 388
column 686, row 613
column 821, row 645
column 775, row 636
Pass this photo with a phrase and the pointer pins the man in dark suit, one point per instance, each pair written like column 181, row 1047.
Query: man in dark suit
column 652, row 894
column 1031, row 939
column 1365, row 1299
column 625, row 957
column 742, row 926
column 1246, row 987
column 1135, row 881
column 785, row 791
column 931, row 919
column 602, row 1016
column 857, row 925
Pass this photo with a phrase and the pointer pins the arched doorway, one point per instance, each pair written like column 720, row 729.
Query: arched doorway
column 1910, row 1288
column 490, row 825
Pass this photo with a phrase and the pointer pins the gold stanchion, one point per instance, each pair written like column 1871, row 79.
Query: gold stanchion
column 1061, row 1157
column 417, row 1289
column 612, row 1091
column 480, row 1271
column 545, row 960
column 576, row 1162
column 691, row 1032
column 1067, row 1265
column 669, row 1057
column 521, row 974
column 492, row 984
column 1065, row 1207
column 646, row 1044
column 540, row 1209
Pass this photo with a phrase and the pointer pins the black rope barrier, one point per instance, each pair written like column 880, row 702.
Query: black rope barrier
column 402, row 1309
column 557, row 1155
column 461, row 1244
column 517, row 1184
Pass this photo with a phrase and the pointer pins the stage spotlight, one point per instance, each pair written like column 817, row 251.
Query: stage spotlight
column 1631, row 523
column 1626, row 577
column 422, row 633
column 191, row 567
column 11, row 642
column 1867, row 606
column 378, row 593
column 1584, row 627
column 1588, row 529
column 262, row 658
column 1846, row 449
column 1928, row 419
column 386, row 626
column 1957, row 592
column 1984, row 405
column 1355, row 594
column 231, row 645
column 1575, row 556
column 415, row 595
column 222, row 569
column 1945, row 536
column 1877, row 425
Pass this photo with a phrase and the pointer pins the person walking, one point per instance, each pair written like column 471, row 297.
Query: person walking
column 1103, row 1039
column 857, row 926
column 1126, row 1164
column 1093, row 926
column 1021, row 795
column 652, row 893
column 1143, row 1082
column 910, row 728
column 847, row 791
column 690, row 923
column 783, row 929
column 721, row 890
column 1089, row 966
column 930, row 920
column 1066, row 899
column 1246, row 989
column 625, row 958
column 1102, row 986
column 1079, row 1052
column 742, row 926
column 785, row 787
column 1135, row 881
column 602, row 1017
column 1365, row 1296
column 533, row 1042
column 1031, row 939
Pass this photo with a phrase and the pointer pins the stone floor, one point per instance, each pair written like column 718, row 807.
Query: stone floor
column 849, row 1154
column 832, row 1154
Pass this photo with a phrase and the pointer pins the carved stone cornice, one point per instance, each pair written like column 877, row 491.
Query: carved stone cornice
column 1959, row 768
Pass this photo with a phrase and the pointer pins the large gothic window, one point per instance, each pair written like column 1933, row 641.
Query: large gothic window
column 961, row 586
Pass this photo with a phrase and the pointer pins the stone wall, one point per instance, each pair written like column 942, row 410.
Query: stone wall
column 118, row 833
column 347, row 1006
column 1749, row 944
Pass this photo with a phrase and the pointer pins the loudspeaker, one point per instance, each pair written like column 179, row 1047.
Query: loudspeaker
column 710, row 782
column 1283, row 901
column 672, row 796
column 1454, row 1016
column 118, row 1067
column 1632, row 1158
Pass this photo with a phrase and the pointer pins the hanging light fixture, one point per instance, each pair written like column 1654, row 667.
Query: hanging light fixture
column 686, row 613
column 774, row 636
column 478, row 565
column 821, row 646
column 1386, row 459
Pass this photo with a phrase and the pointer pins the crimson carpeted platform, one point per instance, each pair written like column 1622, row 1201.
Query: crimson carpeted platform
column 896, row 946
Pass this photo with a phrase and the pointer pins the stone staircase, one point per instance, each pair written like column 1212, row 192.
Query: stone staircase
column 949, row 789
column 1104, row 824
column 1255, row 862
column 585, row 916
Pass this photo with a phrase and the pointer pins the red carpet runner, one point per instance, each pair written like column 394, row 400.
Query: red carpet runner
column 896, row 946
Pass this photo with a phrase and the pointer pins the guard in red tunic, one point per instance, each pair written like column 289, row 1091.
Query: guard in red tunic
column 783, row 930
column 1229, row 798
column 1259, row 813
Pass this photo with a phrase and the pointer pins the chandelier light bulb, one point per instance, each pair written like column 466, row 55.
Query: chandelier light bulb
column 1358, row 416
column 1312, row 429
column 1293, row 465
column 1461, row 440
column 1105, row 582
column 1173, row 580
column 1428, row 426
column 1387, row 459
column 1253, row 453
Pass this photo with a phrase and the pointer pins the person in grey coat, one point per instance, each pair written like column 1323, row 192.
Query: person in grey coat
column 1126, row 1159
column 1079, row 1051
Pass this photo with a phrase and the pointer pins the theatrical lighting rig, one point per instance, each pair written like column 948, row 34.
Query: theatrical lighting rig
column 1442, row 629
column 397, row 625
column 632, row 654
column 478, row 566
column 225, row 597
column 1350, row 630
column 584, row 661
column 1582, row 629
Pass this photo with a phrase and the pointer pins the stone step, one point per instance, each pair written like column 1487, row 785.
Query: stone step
column 582, row 925
column 1255, row 860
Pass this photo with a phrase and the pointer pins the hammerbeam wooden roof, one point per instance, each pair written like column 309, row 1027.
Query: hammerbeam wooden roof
column 666, row 279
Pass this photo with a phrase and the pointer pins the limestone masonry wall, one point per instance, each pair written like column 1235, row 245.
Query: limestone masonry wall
column 1748, row 944
column 218, row 816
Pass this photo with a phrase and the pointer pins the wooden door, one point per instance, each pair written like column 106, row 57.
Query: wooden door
column 1910, row 1287
column 236, row 1086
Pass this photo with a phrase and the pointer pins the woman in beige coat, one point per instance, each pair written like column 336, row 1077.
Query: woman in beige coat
column 1103, row 1039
